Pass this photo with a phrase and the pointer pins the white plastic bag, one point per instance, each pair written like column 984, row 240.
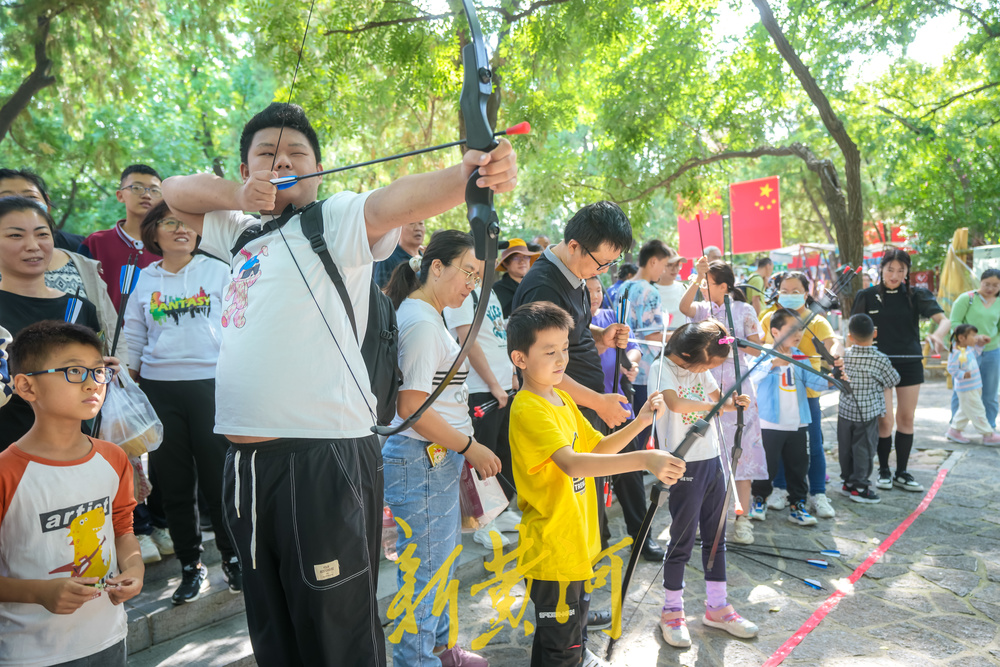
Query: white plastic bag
column 482, row 500
column 128, row 419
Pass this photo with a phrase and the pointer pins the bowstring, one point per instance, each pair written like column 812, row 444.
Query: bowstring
column 291, row 88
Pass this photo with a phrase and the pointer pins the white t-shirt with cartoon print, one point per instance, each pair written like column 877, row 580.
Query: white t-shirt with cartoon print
column 280, row 373
column 673, row 426
column 492, row 339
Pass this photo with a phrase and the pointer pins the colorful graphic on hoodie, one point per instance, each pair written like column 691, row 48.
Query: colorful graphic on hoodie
column 163, row 306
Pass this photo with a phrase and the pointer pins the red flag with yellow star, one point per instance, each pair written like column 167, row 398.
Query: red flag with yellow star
column 755, row 215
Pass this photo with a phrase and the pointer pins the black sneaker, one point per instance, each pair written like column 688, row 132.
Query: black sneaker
column 884, row 478
column 233, row 574
column 904, row 480
column 194, row 579
column 864, row 494
column 846, row 490
column 598, row 620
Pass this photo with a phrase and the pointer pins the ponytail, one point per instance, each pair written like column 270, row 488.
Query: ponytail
column 699, row 342
column 723, row 273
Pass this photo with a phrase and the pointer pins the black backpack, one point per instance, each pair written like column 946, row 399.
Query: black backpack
column 380, row 347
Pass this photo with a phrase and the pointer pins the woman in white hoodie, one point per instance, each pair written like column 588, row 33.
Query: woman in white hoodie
column 173, row 327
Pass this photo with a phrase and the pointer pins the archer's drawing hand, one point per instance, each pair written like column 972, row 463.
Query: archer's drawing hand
column 258, row 193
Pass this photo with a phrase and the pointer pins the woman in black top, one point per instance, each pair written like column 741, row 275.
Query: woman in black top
column 896, row 309
column 26, row 247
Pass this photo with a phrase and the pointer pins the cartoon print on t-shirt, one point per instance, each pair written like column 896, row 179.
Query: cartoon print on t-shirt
column 239, row 288
column 88, row 557
column 694, row 393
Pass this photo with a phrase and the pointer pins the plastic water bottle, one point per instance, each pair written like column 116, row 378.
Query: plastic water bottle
column 389, row 532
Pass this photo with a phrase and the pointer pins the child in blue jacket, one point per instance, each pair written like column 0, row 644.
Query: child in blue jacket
column 784, row 422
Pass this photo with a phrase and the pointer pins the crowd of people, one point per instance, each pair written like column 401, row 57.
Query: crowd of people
column 246, row 334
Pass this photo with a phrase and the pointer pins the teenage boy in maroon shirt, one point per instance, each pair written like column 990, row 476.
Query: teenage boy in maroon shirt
column 139, row 190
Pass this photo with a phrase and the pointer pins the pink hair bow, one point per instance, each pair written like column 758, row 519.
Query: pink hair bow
column 727, row 340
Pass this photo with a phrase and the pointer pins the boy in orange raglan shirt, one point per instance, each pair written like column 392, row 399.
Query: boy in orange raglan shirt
column 65, row 510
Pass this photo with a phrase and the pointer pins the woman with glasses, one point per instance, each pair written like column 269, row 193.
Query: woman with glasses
column 173, row 328
column 26, row 248
column 423, row 464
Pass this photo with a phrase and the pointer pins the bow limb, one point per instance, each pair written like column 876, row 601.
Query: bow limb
column 620, row 352
column 737, row 441
column 840, row 384
column 483, row 220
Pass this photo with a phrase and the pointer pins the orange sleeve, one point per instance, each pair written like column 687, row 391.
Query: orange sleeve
column 12, row 468
column 124, row 502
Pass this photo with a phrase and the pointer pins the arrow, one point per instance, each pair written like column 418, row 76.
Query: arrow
column 285, row 182
column 811, row 583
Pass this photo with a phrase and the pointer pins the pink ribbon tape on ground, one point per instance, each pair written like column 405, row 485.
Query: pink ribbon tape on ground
column 828, row 605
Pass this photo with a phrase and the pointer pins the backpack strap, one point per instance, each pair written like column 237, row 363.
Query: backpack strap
column 252, row 233
column 312, row 229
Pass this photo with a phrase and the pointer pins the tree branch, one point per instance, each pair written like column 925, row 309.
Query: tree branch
column 992, row 31
column 819, row 213
column 795, row 149
column 372, row 25
column 35, row 82
column 904, row 121
column 959, row 96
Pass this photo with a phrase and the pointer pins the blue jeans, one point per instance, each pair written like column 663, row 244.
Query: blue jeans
column 989, row 368
column 427, row 499
column 817, row 459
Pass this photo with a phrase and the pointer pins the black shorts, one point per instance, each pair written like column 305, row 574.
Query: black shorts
column 911, row 371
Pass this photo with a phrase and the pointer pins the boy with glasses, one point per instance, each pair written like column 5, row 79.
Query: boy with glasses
column 70, row 558
column 139, row 191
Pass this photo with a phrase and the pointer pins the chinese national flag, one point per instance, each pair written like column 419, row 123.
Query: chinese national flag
column 755, row 215
column 689, row 238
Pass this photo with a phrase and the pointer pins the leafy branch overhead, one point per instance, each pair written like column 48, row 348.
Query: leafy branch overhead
column 655, row 104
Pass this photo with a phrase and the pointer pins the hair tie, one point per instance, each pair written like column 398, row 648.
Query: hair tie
column 415, row 262
column 727, row 340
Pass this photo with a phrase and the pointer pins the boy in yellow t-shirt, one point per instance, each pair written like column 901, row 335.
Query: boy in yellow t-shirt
column 555, row 454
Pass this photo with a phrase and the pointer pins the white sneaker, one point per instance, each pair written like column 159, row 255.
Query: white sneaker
column 742, row 531
column 821, row 506
column 778, row 500
column 734, row 624
column 484, row 536
column 161, row 538
column 508, row 521
column 675, row 632
column 150, row 554
column 591, row 660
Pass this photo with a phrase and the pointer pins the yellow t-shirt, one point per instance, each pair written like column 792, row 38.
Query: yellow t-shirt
column 818, row 327
column 559, row 512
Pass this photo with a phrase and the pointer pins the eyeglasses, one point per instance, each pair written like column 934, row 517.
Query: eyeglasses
column 172, row 225
column 79, row 374
column 600, row 265
column 471, row 279
column 139, row 190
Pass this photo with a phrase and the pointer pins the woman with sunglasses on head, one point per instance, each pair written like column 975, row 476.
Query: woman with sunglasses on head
column 173, row 329
column 423, row 464
column 26, row 247
column 896, row 309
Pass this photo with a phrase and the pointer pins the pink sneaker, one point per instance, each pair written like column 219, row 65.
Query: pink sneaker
column 456, row 656
column 956, row 436
column 991, row 439
column 732, row 623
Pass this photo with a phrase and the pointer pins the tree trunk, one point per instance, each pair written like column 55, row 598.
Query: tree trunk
column 36, row 81
column 843, row 201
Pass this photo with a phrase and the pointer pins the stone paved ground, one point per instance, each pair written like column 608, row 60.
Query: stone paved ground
column 933, row 599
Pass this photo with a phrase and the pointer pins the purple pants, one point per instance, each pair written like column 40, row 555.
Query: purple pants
column 695, row 501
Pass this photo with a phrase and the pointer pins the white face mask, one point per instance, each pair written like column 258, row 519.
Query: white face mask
column 792, row 301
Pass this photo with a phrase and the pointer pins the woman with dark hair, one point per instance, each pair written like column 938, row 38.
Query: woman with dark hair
column 896, row 309
column 793, row 295
column 981, row 308
column 173, row 330
column 26, row 247
column 423, row 464
column 752, row 465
